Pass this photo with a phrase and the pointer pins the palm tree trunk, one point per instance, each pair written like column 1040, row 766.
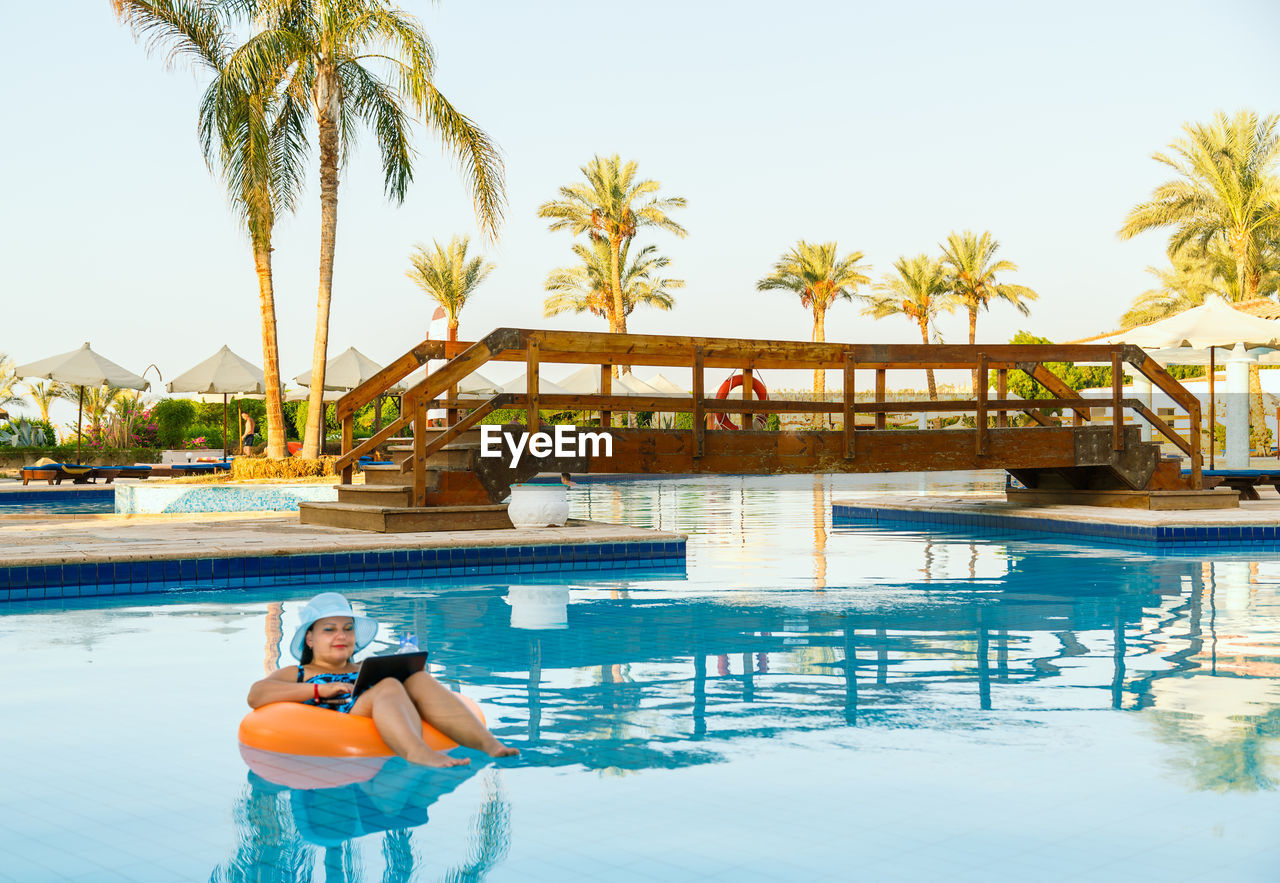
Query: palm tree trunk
column 619, row 306
column 973, row 339
column 270, row 349
column 327, row 101
column 819, row 336
column 928, row 372
column 451, row 329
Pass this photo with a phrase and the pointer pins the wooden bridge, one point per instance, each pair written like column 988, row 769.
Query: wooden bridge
column 439, row 480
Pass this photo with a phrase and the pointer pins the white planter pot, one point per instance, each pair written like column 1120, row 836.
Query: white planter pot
column 538, row 505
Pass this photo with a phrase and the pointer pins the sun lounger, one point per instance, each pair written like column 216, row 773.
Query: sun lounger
column 1246, row 481
column 180, row 469
column 55, row 473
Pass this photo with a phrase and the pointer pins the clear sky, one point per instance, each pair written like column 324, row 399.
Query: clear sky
column 880, row 125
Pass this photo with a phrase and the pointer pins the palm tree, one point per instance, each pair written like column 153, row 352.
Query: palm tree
column 814, row 272
column 259, row 140
column 1226, row 192
column 611, row 207
column 588, row 286
column 1183, row 285
column 918, row 290
column 1225, row 198
column 325, row 46
column 971, row 270
column 448, row 276
column 43, row 394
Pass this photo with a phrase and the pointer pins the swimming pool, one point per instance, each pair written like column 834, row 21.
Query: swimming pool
column 58, row 501
column 805, row 703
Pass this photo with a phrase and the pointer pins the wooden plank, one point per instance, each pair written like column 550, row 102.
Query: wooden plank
column 980, row 408
column 453, row 432
column 807, row 452
column 1160, row 426
column 850, row 407
column 419, row 452
column 370, row 444
column 388, row 377
column 531, row 379
column 745, row 416
column 1117, row 413
column 1056, row 385
column 880, row 389
column 606, row 390
column 778, row 406
column 348, row 439
column 699, row 403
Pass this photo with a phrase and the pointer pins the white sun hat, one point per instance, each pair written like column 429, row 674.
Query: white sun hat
column 331, row 604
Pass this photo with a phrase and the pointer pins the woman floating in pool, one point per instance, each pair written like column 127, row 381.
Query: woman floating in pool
column 329, row 635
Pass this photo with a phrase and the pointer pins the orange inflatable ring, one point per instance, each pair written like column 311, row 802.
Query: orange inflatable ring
column 294, row 728
column 722, row 421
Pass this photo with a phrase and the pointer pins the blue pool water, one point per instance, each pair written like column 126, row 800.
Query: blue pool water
column 58, row 501
column 803, row 703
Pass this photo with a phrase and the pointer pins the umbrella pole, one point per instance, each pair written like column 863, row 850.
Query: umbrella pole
column 224, row 426
column 1213, row 413
column 79, row 421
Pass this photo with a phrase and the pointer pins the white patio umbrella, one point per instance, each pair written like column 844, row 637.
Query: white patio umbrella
column 1211, row 326
column 82, row 367
column 666, row 387
column 545, row 386
column 344, row 371
column 225, row 374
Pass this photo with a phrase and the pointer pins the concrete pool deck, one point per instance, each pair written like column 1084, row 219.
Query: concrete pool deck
column 1255, row 523
column 53, row 556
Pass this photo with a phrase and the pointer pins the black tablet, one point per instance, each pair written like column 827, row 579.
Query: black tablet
column 397, row 665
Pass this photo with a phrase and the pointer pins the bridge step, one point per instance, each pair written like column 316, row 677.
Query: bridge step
column 396, row 519
column 400, row 495
column 454, row 456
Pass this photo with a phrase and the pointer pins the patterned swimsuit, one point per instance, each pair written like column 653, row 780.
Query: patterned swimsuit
column 326, row 678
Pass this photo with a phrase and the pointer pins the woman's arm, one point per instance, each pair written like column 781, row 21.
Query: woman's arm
column 282, row 686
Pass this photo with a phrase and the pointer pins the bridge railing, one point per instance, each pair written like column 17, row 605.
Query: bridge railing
column 536, row 348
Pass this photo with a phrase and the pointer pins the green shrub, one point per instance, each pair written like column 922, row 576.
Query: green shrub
column 172, row 417
column 212, row 436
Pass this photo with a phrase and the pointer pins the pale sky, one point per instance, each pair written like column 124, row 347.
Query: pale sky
column 882, row 126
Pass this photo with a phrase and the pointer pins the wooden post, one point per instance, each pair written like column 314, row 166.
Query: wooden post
column 348, row 442
column 980, row 410
column 419, row 452
column 699, row 414
column 747, row 375
column 1117, row 414
column 881, row 417
column 1002, row 392
column 606, row 389
column 850, row 406
column 531, row 376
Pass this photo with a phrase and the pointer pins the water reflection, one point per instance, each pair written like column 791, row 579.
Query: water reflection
column 299, row 812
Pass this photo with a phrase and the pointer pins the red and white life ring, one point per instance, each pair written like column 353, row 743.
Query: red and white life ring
column 758, row 391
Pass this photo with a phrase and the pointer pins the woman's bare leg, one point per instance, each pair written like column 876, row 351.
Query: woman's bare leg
column 398, row 722
column 441, row 708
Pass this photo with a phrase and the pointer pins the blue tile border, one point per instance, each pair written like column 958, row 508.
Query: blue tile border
column 1165, row 536
column 34, row 582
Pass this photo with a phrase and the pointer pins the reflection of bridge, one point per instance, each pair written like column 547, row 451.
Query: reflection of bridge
column 441, row 466
column 647, row 675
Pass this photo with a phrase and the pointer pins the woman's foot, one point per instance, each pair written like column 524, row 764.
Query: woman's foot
column 494, row 748
column 427, row 757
